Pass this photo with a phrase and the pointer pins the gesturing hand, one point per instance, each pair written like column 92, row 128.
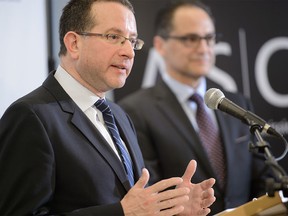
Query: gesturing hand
column 201, row 195
column 155, row 200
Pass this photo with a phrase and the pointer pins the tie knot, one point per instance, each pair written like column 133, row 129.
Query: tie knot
column 198, row 99
column 102, row 105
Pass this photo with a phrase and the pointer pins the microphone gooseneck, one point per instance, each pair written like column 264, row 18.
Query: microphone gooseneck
column 215, row 99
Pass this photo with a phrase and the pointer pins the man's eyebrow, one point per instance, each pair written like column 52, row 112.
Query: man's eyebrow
column 119, row 31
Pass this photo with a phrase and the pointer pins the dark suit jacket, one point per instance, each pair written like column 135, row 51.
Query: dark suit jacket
column 168, row 142
column 54, row 161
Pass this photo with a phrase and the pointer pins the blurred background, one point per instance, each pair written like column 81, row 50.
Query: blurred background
column 252, row 52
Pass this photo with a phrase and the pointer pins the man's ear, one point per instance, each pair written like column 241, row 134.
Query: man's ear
column 72, row 43
column 159, row 44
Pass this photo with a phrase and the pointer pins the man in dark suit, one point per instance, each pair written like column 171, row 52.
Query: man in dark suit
column 62, row 155
column 165, row 118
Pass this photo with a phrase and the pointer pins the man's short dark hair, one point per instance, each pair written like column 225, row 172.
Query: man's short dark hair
column 164, row 18
column 76, row 17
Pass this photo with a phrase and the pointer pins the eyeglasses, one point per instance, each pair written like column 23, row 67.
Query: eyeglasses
column 136, row 43
column 193, row 40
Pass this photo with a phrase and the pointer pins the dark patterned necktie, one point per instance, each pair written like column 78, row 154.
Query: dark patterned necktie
column 210, row 138
column 110, row 123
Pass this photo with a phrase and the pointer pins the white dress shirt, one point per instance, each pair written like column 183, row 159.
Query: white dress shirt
column 85, row 100
column 183, row 92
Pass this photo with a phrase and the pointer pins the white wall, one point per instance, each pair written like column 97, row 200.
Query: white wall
column 23, row 48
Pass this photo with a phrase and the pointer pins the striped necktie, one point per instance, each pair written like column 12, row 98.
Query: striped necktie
column 209, row 135
column 113, row 130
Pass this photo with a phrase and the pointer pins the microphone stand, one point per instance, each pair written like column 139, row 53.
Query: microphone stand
column 261, row 146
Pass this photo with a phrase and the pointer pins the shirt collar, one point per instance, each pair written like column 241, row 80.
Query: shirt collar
column 182, row 91
column 83, row 97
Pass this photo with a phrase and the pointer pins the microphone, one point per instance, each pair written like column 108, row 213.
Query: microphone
column 215, row 99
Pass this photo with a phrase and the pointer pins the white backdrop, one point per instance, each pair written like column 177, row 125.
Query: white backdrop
column 23, row 48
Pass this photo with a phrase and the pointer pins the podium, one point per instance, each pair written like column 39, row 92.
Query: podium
column 263, row 206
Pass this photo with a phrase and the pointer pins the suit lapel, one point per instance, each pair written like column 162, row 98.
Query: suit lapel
column 173, row 111
column 94, row 136
column 83, row 124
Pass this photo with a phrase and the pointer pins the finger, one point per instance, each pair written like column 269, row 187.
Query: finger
column 171, row 194
column 208, row 193
column 164, row 184
column 170, row 203
column 190, row 170
column 204, row 211
column 207, row 183
column 208, row 198
column 143, row 180
column 175, row 210
column 208, row 202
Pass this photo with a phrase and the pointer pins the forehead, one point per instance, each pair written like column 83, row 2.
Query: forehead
column 113, row 15
column 192, row 20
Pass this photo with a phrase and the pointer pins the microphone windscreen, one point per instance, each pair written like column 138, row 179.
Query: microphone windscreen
column 213, row 98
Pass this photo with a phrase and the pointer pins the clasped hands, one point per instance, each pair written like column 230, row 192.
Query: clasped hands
column 186, row 199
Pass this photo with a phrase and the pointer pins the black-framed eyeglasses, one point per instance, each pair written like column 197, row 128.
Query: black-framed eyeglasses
column 136, row 43
column 193, row 40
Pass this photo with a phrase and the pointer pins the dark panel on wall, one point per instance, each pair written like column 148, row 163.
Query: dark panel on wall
column 256, row 33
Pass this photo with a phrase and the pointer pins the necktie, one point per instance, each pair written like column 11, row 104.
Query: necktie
column 210, row 138
column 113, row 130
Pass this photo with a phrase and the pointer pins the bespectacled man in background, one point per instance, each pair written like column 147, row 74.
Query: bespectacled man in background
column 172, row 124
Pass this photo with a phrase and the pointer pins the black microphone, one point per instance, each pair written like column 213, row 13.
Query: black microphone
column 215, row 99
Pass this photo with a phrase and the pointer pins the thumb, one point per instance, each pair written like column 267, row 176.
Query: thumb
column 143, row 180
column 190, row 170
